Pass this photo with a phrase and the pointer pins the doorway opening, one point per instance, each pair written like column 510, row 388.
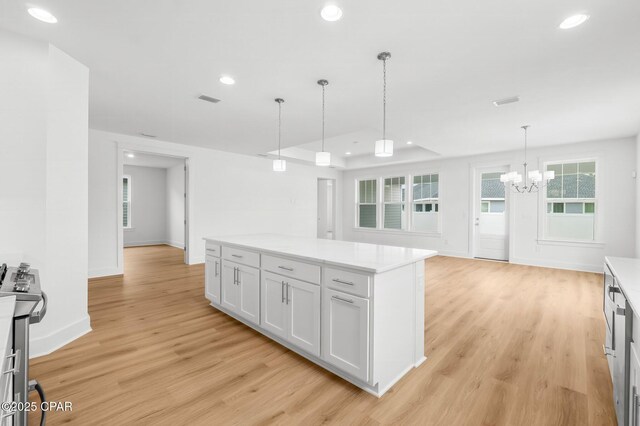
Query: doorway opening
column 326, row 208
column 490, row 214
column 153, row 202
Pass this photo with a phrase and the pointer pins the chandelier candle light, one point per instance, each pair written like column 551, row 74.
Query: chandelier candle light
column 323, row 158
column 279, row 165
column 384, row 146
column 515, row 179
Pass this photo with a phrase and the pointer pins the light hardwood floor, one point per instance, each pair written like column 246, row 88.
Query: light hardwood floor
column 506, row 344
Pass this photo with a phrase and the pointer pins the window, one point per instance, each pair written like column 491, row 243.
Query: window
column 367, row 206
column 571, row 201
column 492, row 194
column 425, row 216
column 126, row 201
column 394, row 203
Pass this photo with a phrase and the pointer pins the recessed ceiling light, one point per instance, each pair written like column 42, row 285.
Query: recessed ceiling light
column 225, row 79
column 147, row 135
column 130, row 155
column 347, row 153
column 574, row 21
column 331, row 13
column 42, row 15
column 505, row 101
column 409, row 142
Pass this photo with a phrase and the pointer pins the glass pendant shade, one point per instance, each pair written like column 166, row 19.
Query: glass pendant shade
column 323, row 158
column 384, row 148
column 279, row 165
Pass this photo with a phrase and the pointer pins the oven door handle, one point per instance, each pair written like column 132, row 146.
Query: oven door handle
column 36, row 317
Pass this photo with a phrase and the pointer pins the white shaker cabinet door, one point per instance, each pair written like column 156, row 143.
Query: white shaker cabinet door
column 345, row 332
column 229, row 289
column 274, row 306
column 212, row 279
column 634, row 387
column 303, row 300
column 249, row 290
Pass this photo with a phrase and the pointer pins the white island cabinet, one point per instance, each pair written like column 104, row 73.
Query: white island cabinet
column 355, row 309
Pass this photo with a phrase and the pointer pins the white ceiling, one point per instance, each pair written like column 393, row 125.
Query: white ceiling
column 149, row 59
column 151, row 160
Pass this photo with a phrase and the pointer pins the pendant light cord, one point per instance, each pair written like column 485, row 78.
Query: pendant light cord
column 323, row 117
column 279, row 126
column 384, row 99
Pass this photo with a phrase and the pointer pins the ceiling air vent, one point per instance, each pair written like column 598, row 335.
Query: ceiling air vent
column 209, row 99
column 505, row 101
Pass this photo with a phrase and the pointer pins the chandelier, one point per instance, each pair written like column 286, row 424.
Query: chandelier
column 384, row 146
column 527, row 182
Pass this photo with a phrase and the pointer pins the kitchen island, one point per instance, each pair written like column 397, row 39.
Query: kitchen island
column 355, row 309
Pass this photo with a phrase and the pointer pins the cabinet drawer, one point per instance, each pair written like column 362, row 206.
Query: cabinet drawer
column 291, row 268
column 244, row 257
column 349, row 282
column 213, row 249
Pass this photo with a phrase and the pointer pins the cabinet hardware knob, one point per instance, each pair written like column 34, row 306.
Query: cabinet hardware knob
column 619, row 310
column 282, row 291
column 288, row 300
column 237, row 255
column 342, row 300
column 339, row 281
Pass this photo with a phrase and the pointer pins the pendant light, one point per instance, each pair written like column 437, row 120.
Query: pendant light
column 323, row 158
column 279, row 165
column 384, row 146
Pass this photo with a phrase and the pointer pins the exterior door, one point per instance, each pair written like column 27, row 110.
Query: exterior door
column 212, row 279
column 346, row 333
column 274, row 304
column 490, row 206
column 249, row 292
column 229, row 290
column 304, row 315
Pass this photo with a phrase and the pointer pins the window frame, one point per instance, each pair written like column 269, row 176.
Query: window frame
column 433, row 201
column 358, row 203
column 408, row 203
column 543, row 237
column 128, row 202
column 383, row 203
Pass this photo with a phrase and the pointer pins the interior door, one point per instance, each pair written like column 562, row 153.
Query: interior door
column 274, row 306
column 346, row 332
column 229, row 290
column 249, row 292
column 326, row 208
column 304, row 315
column 212, row 279
column 491, row 237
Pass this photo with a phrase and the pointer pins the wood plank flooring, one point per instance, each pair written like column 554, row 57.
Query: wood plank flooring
column 506, row 344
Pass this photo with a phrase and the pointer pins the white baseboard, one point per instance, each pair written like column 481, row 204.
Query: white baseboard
column 144, row 243
column 176, row 244
column 104, row 272
column 558, row 265
column 44, row 345
column 195, row 260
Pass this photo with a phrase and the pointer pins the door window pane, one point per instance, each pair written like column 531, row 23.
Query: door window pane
column 589, row 207
column 497, row 206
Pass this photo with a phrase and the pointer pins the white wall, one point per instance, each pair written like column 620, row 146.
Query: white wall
column 616, row 206
column 229, row 194
column 175, row 206
column 43, row 181
column 637, row 253
column 148, row 206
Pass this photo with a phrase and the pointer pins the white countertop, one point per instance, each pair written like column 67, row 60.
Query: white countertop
column 367, row 257
column 627, row 272
column 7, row 306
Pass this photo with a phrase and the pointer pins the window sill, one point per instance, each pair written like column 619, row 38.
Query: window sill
column 399, row 232
column 569, row 243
